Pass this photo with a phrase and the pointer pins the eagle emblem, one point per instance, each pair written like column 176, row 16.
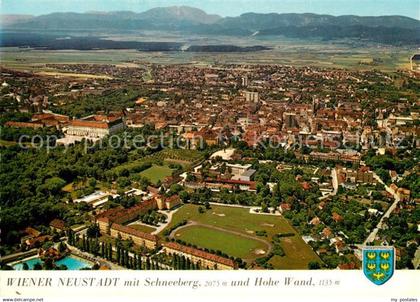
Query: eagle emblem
column 378, row 263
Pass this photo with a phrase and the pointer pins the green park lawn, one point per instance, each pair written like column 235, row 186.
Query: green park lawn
column 228, row 243
column 298, row 253
column 156, row 173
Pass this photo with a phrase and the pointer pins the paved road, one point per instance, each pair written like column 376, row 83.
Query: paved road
column 372, row 235
column 334, row 177
column 168, row 221
column 161, row 226
column 18, row 255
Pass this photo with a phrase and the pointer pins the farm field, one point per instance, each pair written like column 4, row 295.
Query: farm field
column 239, row 220
column 156, row 173
column 287, row 52
column 74, row 75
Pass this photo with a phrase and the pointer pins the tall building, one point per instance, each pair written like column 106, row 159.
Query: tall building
column 251, row 96
column 289, row 120
column 244, row 81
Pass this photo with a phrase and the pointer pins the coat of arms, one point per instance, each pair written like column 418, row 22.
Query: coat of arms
column 378, row 263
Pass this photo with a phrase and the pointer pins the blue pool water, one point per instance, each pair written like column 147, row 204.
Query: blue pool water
column 30, row 262
column 72, row 263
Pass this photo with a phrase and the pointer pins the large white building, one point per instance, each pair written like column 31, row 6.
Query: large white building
column 96, row 199
column 95, row 126
column 241, row 172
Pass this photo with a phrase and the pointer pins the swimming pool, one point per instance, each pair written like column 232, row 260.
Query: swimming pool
column 72, row 263
column 30, row 262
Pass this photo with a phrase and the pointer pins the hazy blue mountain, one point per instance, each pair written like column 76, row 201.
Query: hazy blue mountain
column 254, row 22
column 383, row 29
column 6, row 20
column 164, row 18
column 179, row 13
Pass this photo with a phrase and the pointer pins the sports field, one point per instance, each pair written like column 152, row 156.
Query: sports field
column 239, row 220
column 156, row 173
column 231, row 244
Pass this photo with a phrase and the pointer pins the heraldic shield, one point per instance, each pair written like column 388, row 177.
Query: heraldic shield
column 378, row 263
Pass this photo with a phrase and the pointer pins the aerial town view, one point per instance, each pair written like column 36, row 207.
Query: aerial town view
column 175, row 138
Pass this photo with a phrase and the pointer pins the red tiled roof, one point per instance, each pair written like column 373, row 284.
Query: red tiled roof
column 103, row 219
column 364, row 169
column 232, row 181
column 174, row 198
column 347, row 266
column 32, row 232
column 337, row 217
column 39, row 239
column 109, row 212
column 50, row 116
column 393, row 187
column 190, row 135
column 404, row 191
column 121, row 215
column 285, row 207
column 306, row 185
column 90, row 124
column 24, row 124
column 152, row 190
column 58, row 224
column 327, row 232
column 251, row 184
column 96, row 121
column 315, row 221
column 199, row 253
column 133, row 232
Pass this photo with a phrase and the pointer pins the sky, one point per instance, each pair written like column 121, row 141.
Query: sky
column 410, row 8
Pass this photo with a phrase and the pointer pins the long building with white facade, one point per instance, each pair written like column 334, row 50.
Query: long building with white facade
column 95, row 126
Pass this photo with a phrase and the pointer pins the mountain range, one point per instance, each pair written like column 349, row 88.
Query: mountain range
column 382, row 29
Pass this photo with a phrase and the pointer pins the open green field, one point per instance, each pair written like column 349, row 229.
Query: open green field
column 156, row 173
column 143, row 228
column 298, row 253
column 228, row 243
column 185, row 158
